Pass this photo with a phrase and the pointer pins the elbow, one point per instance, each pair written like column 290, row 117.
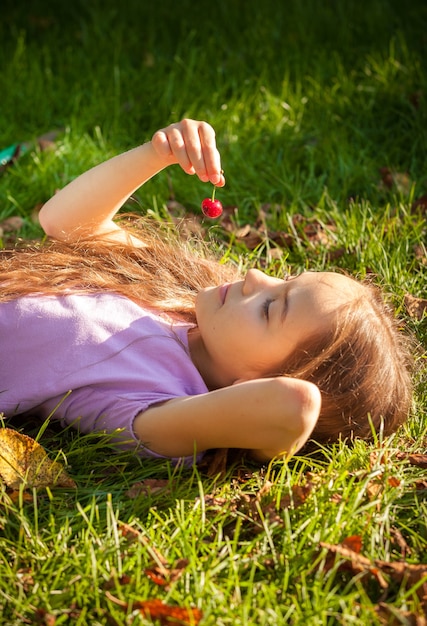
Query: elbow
column 304, row 413
column 311, row 404
column 46, row 223
column 53, row 223
column 300, row 404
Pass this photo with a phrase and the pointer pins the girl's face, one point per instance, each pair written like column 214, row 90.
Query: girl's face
column 247, row 329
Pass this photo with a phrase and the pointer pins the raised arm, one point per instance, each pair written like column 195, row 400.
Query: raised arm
column 88, row 204
column 269, row 416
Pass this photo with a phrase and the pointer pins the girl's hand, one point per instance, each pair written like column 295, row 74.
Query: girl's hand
column 88, row 204
column 190, row 144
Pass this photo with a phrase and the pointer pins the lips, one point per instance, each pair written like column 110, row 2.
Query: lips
column 223, row 292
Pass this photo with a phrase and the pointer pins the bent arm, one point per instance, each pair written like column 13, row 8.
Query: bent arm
column 270, row 417
column 88, row 204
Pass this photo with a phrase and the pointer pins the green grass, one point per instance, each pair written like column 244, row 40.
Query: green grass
column 309, row 101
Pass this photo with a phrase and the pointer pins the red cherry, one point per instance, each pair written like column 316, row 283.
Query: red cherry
column 211, row 208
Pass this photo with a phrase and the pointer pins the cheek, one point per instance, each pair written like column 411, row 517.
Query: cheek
column 202, row 308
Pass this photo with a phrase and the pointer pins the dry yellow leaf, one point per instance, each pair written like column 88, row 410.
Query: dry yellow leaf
column 415, row 307
column 24, row 461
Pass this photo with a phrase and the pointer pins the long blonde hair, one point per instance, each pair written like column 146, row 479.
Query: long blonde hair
column 362, row 365
column 165, row 274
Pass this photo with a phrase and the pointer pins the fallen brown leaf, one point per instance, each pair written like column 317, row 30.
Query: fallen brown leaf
column 374, row 489
column 354, row 542
column 419, row 460
column 147, row 487
column 24, row 578
column 165, row 614
column 255, row 508
column 164, row 576
column 415, row 307
column 129, row 532
column 15, row 222
column 132, row 534
column 391, row 616
column 354, row 563
column 399, row 539
column 216, row 502
column 15, row 496
column 112, row 582
column 378, row 456
column 250, row 236
column 214, row 463
column 24, row 461
column 281, row 238
column 420, row 203
column 298, row 495
column 317, row 235
column 44, row 618
column 390, row 179
column 408, row 572
column 399, row 571
column 420, row 254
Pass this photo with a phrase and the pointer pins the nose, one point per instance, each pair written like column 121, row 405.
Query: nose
column 254, row 279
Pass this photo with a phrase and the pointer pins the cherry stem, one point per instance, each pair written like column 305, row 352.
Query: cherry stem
column 213, row 193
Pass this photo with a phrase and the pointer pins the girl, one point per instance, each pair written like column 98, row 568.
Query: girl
column 133, row 333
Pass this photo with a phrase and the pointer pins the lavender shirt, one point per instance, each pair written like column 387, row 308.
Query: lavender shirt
column 116, row 358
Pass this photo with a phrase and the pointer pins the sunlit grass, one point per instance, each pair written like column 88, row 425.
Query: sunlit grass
column 309, row 102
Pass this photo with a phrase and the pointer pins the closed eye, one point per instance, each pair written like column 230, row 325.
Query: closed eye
column 266, row 307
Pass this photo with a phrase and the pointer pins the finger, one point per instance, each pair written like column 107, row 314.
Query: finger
column 211, row 156
column 221, row 182
column 199, row 138
column 160, row 143
column 192, row 145
column 185, row 145
column 169, row 144
column 195, row 148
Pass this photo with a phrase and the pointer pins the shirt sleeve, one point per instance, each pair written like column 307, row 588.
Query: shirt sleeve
column 97, row 410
